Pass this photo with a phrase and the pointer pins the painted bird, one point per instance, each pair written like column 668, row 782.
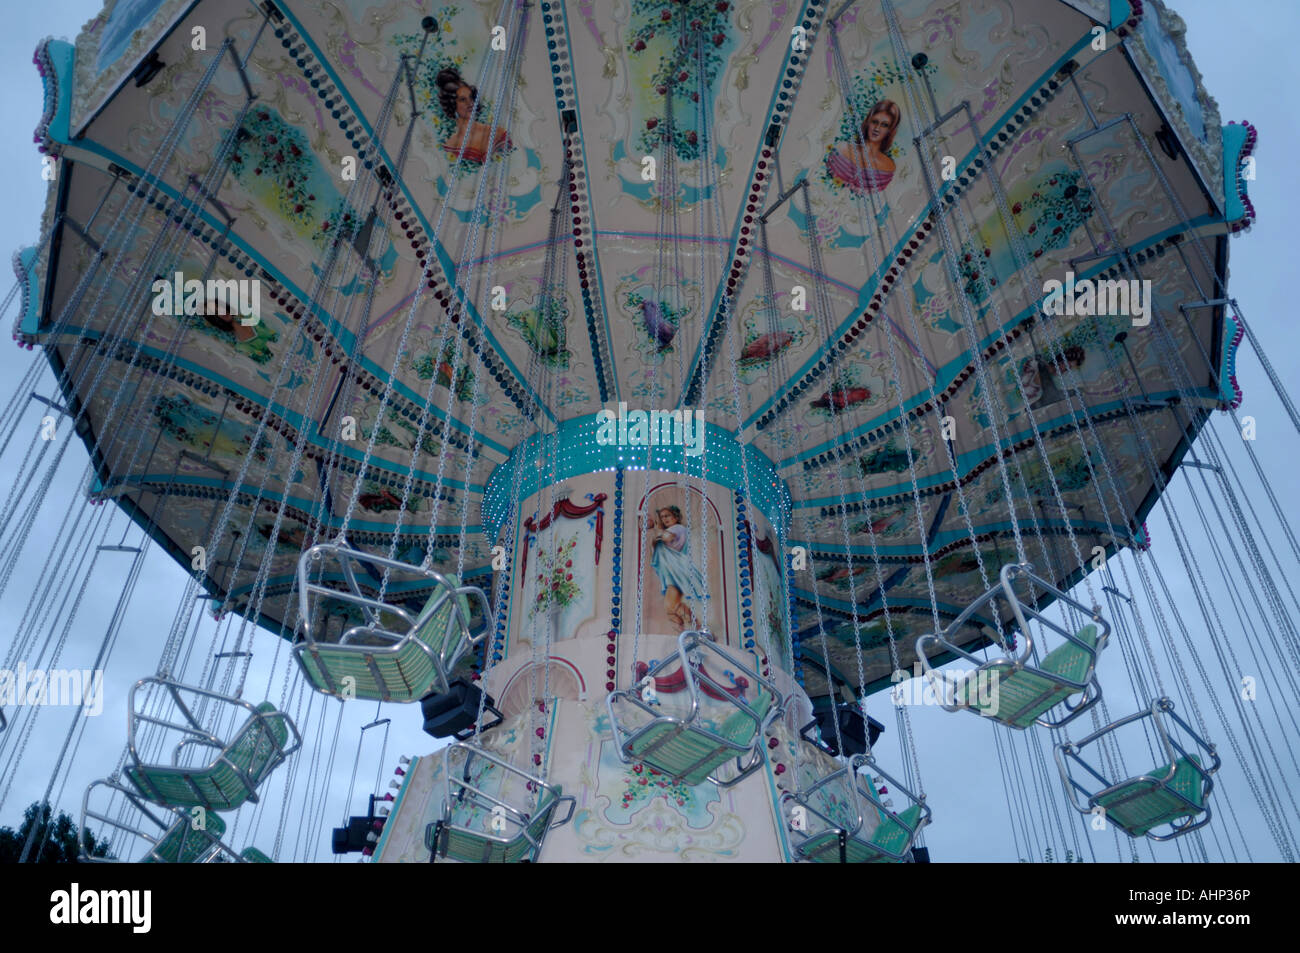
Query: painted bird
column 764, row 347
column 841, row 397
column 658, row 327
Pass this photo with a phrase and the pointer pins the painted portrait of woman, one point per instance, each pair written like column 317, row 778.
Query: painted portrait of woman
column 459, row 101
column 864, row 165
column 680, row 581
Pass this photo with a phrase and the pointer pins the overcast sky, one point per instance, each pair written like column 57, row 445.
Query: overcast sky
column 1242, row 58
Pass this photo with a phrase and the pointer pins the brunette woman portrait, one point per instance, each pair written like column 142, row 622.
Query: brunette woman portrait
column 459, row 101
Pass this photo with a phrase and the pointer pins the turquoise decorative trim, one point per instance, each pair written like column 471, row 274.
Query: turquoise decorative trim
column 1238, row 146
column 29, row 317
column 1229, row 390
column 1122, row 10
column 573, row 451
column 54, row 61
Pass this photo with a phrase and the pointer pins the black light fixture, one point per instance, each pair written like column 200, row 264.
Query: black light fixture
column 148, row 69
column 857, row 732
column 1168, row 142
column 454, row 712
column 360, row 833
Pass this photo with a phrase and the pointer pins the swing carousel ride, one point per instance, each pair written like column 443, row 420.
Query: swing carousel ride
column 636, row 389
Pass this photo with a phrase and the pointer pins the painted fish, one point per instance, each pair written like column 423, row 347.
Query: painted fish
column 766, row 346
column 840, row 397
column 659, row 327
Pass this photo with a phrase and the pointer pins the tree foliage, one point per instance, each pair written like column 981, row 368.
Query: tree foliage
column 59, row 847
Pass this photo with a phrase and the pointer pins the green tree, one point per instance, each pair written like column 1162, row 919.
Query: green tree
column 61, row 846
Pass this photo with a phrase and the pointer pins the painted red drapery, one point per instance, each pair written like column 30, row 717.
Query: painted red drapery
column 571, row 511
column 676, row 682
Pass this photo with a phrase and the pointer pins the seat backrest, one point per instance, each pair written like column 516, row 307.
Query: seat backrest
column 1068, row 660
column 438, row 632
column 739, row 726
column 260, row 740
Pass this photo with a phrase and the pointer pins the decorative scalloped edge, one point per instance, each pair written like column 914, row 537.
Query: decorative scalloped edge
column 1232, row 334
column 1142, row 539
column 50, row 88
column 24, row 277
column 1135, row 14
column 1247, row 150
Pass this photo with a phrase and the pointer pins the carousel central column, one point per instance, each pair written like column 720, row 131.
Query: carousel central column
column 594, row 526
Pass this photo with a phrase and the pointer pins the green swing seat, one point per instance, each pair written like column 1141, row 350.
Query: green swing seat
column 456, row 843
column 887, row 842
column 489, row 815
column 1140, row 804
column 252, row 855
column 181, row 844
column 712, row 722
column 231, row 778
column 383, row 665
column 890, row 840
column 689, row 753
column 1023, row 694
column 1165, row 803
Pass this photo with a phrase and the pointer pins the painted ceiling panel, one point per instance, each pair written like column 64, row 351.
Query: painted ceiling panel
column 560, row 207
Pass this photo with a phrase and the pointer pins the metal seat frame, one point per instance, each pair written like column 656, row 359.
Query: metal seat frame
column 949, row 687
column 172, row 817
column 458, row 790
column 1160, row 710
column 197, row 735
column 688, row 654
column 862, row 802
column 443, row 661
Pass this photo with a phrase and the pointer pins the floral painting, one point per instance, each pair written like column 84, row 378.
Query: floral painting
column 559, row 564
